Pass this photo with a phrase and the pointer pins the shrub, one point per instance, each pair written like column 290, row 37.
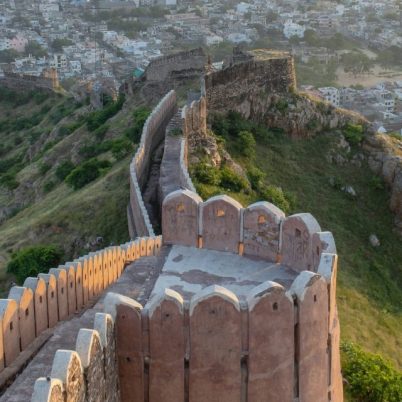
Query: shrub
column 256, row 177
column 49, row 186
column 282, row 105
column 64, row 169
column 353, row 133
column 232, row 181
column 98, row 118
column 101, row 131
column 140, row 116
column 370, row 377
column 246, row 143
column 44, row 168
column 206, row 174
column 277, row 197
column 33, row 260
column 87, row 172
column 121, row 148
column 376, row 183
column 9, row 181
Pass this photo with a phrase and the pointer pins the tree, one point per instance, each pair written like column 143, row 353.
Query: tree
column 33, row 260
column 34, row 49
column 294, row 40
column 356, row 63
column 87, row 172
column 57, row 44
column 8, row 55
column 311, row 38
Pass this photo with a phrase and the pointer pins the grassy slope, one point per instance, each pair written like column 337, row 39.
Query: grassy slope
column 62, row 216
column 370, row 280
column 71, row 218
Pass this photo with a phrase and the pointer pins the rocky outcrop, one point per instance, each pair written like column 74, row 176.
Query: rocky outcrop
column 385, row 159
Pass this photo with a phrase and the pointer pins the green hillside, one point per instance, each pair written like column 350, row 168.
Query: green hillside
column 63, row 173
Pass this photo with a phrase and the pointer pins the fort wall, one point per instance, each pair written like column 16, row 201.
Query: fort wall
column 275, row 345
column 152, row 135
column 48, row 81
column 182, row 64
column 261, row 230
column 44, row 301
column 236, row 86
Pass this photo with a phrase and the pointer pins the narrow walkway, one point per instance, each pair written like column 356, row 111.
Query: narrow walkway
column 150, row 192
column 136, row 282
column 169, row 180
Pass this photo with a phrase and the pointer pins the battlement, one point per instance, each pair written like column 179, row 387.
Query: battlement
column 280, row 343
column 36, row 307
column 261, row 230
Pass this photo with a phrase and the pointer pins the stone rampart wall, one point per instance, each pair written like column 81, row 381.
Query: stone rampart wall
column 237, row 85
column 260, row 230
column 189, row 63
column 276, row 344
column 23, row 82
column 42, row 302
column 152, row 135
column 194, row 123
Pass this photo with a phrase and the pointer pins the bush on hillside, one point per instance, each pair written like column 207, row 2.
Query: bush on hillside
column 370, row 377
column 87, row 172
column 9, row 181
column 33, row 260
column 256, row 178
column 231, row 181
column 101, row 131
column 64, row 169
column 353, row 134
column 98, row 118
column 276, row 196
column 205, row 173
column 121, row 148
column 140, row 116
column 246, row 144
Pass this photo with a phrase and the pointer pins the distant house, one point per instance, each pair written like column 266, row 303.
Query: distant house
column 331, row 95
column 291, row 29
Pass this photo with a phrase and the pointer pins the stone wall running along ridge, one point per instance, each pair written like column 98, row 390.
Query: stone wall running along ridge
column 42, row 302
column 153, row 134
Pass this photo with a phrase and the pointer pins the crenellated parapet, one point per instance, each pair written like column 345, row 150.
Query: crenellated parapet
column 42, row 302
column 212, row 346
column 261, row 230
column 86, row 374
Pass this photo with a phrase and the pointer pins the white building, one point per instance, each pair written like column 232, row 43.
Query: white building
column 291, row 29
column 331, row 95
column 211, row 40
